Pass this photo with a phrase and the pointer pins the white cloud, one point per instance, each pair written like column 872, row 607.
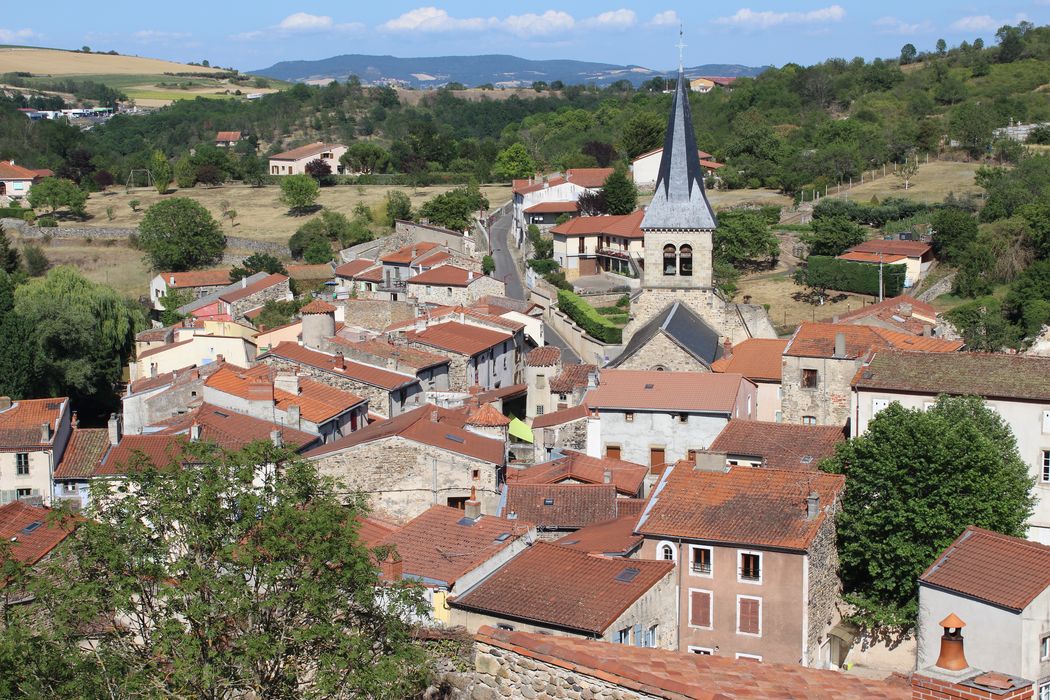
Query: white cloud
column 746, row 17
column 304, row 21
column 667, row 18
column 975, row 23
column 16, row 34
column 299, row 22
column 614, row 19
column 529, row 24
column 892, row 25
column 433, row 19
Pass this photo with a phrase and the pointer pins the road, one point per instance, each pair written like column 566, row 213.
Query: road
column 508, row 271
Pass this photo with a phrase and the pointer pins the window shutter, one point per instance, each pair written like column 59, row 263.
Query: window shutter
column 749, row 612
column 639, row 641
column 1046, row 421
column 700, row 609
column 612, row 452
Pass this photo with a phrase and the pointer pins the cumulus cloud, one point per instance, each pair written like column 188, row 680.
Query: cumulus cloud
column 667, row 18
column 614, row 19
column 526, row 25
column 746, row 17
column 892, row 25
column 16, row 34
column 299, row 22
column 976, row 23
column 305, row 21
column 529, row 24
column 433, row 19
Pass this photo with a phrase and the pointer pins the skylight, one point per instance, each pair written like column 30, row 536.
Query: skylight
column 650, row 386
column 503, row 537
column 628, row 574
column 31, row 527
column 454, row 438
column 548, row 501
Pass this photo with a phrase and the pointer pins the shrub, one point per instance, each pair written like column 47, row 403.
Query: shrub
column 36, row 261
column 825, row 272
column 585, row 316
column 47, row 222
column 488, row 265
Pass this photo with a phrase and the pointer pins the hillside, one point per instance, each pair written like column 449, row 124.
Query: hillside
column 56, row 62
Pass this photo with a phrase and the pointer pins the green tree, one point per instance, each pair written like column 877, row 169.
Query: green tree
column 914, row 480
column 953, row 230
column 180, row 234
column 1028, row 301
column 513, row 162
column 56, row 193
column 454, row 209
column 643, row 132
column 488, row 265
column 318, row 252
column 171, row 302
column 36, row 260
column 942, row 47
column 398, row 207
column 982, row 325
column 278, row 312
column 185, row 173
column 365, row 157
column 160, row 169
column 908, row 54
column 744, row 238
column 976, row 271
column 307, row 236
column 10, row 260
column 299, row 192
column 257, row 262
column 1011, row 43
column 253, row 170
column 971, row 125
column 832, row 235
column 620, row 194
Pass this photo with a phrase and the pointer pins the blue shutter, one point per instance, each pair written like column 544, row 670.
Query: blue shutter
column 638, row 641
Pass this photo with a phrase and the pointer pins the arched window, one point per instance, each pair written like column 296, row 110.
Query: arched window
column 685, row 261
column 666, row 551
column 670, row 259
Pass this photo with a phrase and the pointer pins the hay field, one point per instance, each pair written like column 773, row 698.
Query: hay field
column 931, row 184
column 57, row 62
column 109, row 262
column 786, row 313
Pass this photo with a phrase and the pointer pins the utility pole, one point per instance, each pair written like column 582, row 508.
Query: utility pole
column 880, row 277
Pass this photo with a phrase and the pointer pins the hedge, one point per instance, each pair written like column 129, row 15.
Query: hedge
column 16, row 213
column 592, row 322
column 826, row 272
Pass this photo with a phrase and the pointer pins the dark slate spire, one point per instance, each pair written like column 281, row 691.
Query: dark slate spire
column 680, row 201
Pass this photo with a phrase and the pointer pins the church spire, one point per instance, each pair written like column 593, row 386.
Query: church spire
column 680, row 201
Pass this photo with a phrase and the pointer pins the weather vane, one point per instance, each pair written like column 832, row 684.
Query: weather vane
column 681, row 45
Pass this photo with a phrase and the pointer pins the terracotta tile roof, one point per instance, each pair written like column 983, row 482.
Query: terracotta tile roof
column 572, row 376
column 178, row 376
column 711, row 164
column 418, row 426
column 742, row 505
column 313, row 149
column 566, row 415
column 354, row 267
column 524, row 186
column 611, row 538
column 861, row 256
column 10, row 171
column 155, row 335
column 758, row 359
column 317, row 402
column 1007, row 572
column 372, row 274
column 160, row 450
column 30, row 535
column 232, row 431
column 625, row 226
column 676, row 676
column 446, row 275
column 818, row 340
column 589, row 177
column 440, row 545
column 487, row 417
column 317, row 306
column 562, row 587
column 253, row 288
column 901, row 313
column 431, row 260
column 20, row 425
column 408, row 253
column 320, row 271
column 544, row 356
column 630, row 506
column 372, row 531
column 460, row 338
column 504, row 392
column 410, row 357
column 219, row 277
column 83, row 453
column 665, row 391
column 627, row 477
column 1018, row 377
column 779, row 445
column 560, row 506
column 909, row 249
column 367, row 374
column 553, row 208
column 228, row 136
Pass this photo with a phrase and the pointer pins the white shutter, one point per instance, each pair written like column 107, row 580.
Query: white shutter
column 877, row 405
column 1046, row 421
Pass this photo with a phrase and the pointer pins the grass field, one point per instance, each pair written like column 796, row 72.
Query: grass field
column 931, row 184
column 785, row 312
column 62, row 63
column 112, row 263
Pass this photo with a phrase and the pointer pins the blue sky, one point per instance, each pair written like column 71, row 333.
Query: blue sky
column 250, row 34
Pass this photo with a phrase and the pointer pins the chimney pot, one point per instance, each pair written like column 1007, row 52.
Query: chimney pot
column 952, row 657
column 293, row 416
column 153, row 369
column 905, row 310
column 607, row 476
column 434, row 416
column 220, row 358
column 472, row 508
column 45, row 432
column 840, row 344
column 195, row 432
column 391, row 568
column 5, row 403
column 727, row 347
column 340, row 361
column 74, row 420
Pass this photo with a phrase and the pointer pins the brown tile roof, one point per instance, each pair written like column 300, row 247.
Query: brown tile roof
column 562, row 587
column 910, row 249
column 573, row 376
column 320, row 271
column 561, row 417
column 818, row 340
column 611, row 538
column 164, row 348
column 83, row 453
column 630, row 506
column 317, row 306
column 408, row 253
column 155, row 335
column 589, row 177
column 20, row 424
column 560, row 506
column 999, row 376
column 410, row 357
column 861, row 256
column 178, row 376
column 367, row 374
column 460, row 338
column 524, row 186
column 440, row 545
column 159, row 450
column 27, row 530
column 372, row 531
column 317, row 402
column 431, row 260
column 553, row 208
column 627, row 477
column 486, row 417
column 418, row 425
column 446, row 275
column 228, row 136
column 677, row 676
column 372, row 274
column 349, row 269
column 504, row 392
column 758, row 359
column 10, row 171
column 544, row 356
column 254, row 288
column 313, row 149
column 230, row 430
column 905, row 314
column 779, row 445
column 742, row 505
column 219, row 277
column 1007, row 572
column 624, row 226
column 665, row 391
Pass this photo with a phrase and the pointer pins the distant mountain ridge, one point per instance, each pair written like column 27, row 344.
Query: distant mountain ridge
column 498, row 69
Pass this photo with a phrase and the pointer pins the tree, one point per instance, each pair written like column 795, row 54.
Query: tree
column 286, row 602
column 832, row 235
column 971, row 125
column 161, row 171
column 398, row 207
column 908, row 54
column 1011, row 43
column 982, row 325
column 643, row 132
column 180, row 234
column 603, row 153
column 185, row 173
column 171, row 302
column 56, row 193
column 953, row 230
column 257, row 262
column 36, row 260
column 744, row 238
column 208, row 174
column 329, row 226
column 319, row 170
column 592, row 203
column 299, row 192
column 621, row 196
column 513, row 162
column 278, row 312
column 253, row 170
column 488, row 265
column 134, row 204
column 942, row 47
column 318, row 252
column 914, row 480
column 906, row 170
column 454, row 209
column 365, row 157
column 10, row 260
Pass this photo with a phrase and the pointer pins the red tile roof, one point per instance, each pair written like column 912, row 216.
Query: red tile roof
column 447, row 276
column 486, row 417
column 864, row 257
column 504, row 392
column 254, row 288
column 611, row 538
column 431, row 260
column 20, row 425
column 561, row 417
column 553, row 208
column 317, row 306
column 561, row 587
column 228, row 136
column 627, row 477
column 1005, row 571
column 440, row 545
column 818, row 340
column 527, row 185
column 742, row 505
column 573, row 376
column 560, row 506
column 679, row 676
column 418, row 426
column 909, row 249
column 627, row 389
column 10, row 171
column 544, row 356
column 317, row 402
column 164, row 348
column 902, row 313
column 196, row 278
column 367, row 374
column 589, row 177
column 313, row 149
column 460, row 338
column 159, row 450
column 625, row 226
column 372, row 531
column 410, row 357
column 408, row 253
column 42, row 536
column 83, row 453
column 758, row 359
column 354, row 267
column 230, row 430
column 779, row 445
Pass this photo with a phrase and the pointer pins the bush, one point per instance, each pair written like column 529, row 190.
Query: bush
column 36, row 261
column 825, row 272
column 488, row 265
column 47, row 222
column 544, row 265
column 593, row 323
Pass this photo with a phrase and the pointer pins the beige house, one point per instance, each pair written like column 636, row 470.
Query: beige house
column 197, row 283
column 16, row 181
column 588, row 245
column 760, row 360
column 294, row 162
column 646, row 167
column 33, row 438
column 199, row 348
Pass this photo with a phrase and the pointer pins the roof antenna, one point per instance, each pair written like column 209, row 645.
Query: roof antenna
column 681, row 45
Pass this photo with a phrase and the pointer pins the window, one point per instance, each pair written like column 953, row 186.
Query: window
column 809, row 379
column 629, row 417
column 459, row 502
column 683, row 417
column 751, row 657
column 503, row 626
column 541, row 381
column 656, row 456
column 22, row 463
column 877, row 405
column 650, row 637
column 539, row 409
column 685, row 261
column 1044, row 648
column 670, row 260
column 475, row 474
column 780, row 417
column 449, row 290
column 750, row 567
column 700, row 608
column 624, row 636
column 700, row 560
column 692, row 456
column 1044, row 691
column 748, row 615
column 666, row 551
column 703, row 651
column 583, row 245
column 612, row 451
column 1046, row 466
column 809, row 420
column 23, row 493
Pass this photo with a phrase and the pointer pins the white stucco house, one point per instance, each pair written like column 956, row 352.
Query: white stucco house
column 645, row 167
column 294, row 162
column 567, row 187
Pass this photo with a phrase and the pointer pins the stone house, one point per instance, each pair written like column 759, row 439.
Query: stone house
column 515, row 310
column 430, row 368
column 153, row 399
column 777, row 445
column 415, row 460
column 452, row 285
column 589, row 245
column 33, row 437
column 575, row 467
column 558, row 508
column 656, row 418
column 674, row 340
column 542, row 364
column 358, row 278
column 1017, row 387
column 761, row 361
column 478, row 356
column 234, row 302
column 755, row 558
column 562, row 591
column 294, row 162
column 461, row 242
column 198, row 283
column 903, row 313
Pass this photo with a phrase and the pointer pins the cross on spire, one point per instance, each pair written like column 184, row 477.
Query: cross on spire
column 681, row 45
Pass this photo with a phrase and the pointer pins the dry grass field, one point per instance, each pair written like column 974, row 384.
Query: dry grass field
column 785, row 312
column 725, row 199
column 57, row 62
column 931, row 184
column 108, row 262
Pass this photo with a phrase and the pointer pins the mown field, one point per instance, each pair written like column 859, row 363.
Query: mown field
column 73, row 63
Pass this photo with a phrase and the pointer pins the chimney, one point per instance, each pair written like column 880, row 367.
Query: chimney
column 340, row 361
column 472, row 508
column 171, row 280
column 45, row 432
column 927, row 330
column 195, row 432
column 470, row 275
column 592, row 380
column 840, row 344
column 244, row 282
column 905, row 310
column 727, row 347
column 812, row 505
column 287, row 382
column 293, row 416
column 74, row 420
column 153, row 369
column 434, row 416
column 277, row 438
column 607, row 476
column 114, row 429
column 421, row 324
column 5, row 403
column 220, row 358
column 391, row 567
column 415, row 252
column 952, row 657
column 710, row 461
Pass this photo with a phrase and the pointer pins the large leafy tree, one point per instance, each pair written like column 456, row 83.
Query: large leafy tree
column 832, row 235
column 513, row 162
column 744, row 237
column 55, row 193
column 953, row 230
column 914, row 480
column 299, row 193
column 643, row 132
column 257, row 262
column 365, row 157
column 231, row 575
column 180, row 234
column 620, row 194
column 454, row 209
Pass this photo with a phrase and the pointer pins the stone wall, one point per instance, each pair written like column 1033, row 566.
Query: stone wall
column 663, row 352
column 702, row 243
column 375, row 314
column 456, row 296
column 569, row 436
column 941, row 286
column 277, row 292
column 824, row 586
column 457, row 367
column 830, row 401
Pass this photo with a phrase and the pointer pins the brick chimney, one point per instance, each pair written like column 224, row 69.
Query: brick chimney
column 340, row 361
column 472, row 507
column 277, row 438
column 391, row 568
